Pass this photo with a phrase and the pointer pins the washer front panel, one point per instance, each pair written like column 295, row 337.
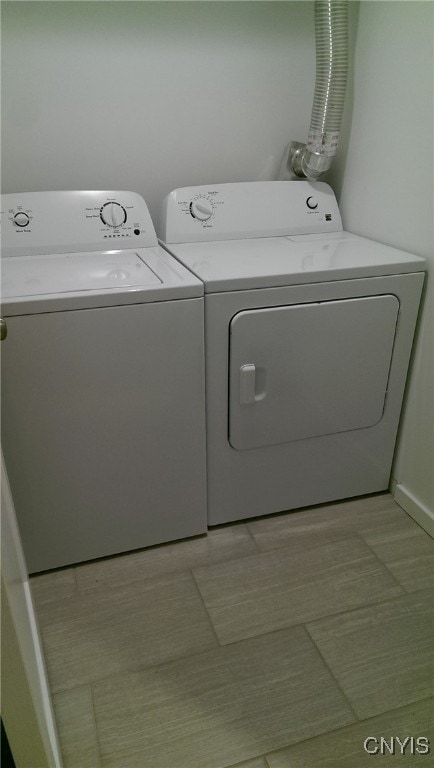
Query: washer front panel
column 103, row 429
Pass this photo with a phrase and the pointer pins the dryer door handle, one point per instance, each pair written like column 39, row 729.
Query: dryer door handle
column 247, row 384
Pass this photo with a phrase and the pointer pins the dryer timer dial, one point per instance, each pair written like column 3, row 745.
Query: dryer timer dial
column 201, row 209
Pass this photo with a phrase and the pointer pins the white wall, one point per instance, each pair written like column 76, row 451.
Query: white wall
column 387, row 194
column 149, row 96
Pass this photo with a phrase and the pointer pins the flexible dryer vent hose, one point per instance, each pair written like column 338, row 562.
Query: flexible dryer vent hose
column 331, row 35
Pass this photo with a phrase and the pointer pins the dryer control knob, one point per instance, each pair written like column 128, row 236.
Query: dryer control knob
column 21, row 219
column 201, row 209
column 113, row 214
column 311, row 203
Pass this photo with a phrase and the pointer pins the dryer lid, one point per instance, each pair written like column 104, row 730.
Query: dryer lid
column 270, row 262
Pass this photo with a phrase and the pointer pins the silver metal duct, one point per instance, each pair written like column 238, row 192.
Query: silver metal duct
column 331, row 34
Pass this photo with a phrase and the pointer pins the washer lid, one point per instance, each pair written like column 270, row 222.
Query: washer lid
column 83, row 280
column 278, row 261
column 71, row 272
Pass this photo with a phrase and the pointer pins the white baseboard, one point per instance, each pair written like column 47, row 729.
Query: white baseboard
column 414, row 507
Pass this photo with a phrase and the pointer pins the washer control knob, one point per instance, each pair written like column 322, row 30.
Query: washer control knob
column 21, row 219
column 113, row 214
column 201, row 209
column 311, row 203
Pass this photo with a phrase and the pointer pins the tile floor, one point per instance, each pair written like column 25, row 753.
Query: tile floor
column 283, row 642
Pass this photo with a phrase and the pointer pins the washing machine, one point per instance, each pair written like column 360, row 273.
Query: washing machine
column 308, row 331
column 103, row 410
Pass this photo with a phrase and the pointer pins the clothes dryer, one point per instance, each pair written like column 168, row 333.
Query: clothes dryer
column 103, row 412
column 309, row 331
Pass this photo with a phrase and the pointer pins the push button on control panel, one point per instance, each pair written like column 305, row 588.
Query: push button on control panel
column 21, row 219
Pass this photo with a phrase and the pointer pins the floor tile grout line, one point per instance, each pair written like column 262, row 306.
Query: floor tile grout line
column 407, row 590
column 367, row 605
column 219, row 645
column 353, row 711
column 317, row 547
column 74, row 573
column 377, row 557
column 252, row 536
column 396, row 709
column 248, row 760
column 164, row 574
column 333, row 615
column 86, row 686
column 95, row 724
column 342, row 536
column 138, row 670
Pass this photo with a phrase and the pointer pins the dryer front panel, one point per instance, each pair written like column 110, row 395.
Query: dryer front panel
column 307, row 370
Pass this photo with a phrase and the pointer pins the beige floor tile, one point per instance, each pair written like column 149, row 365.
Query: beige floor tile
column 219, row 544
column 219, row 707
column 76, row 728
column 97, row 634
column 308, row 528
column 407, row 553
column 382, row 656
column 281, row 588
column 345, row 748
column 53, row 586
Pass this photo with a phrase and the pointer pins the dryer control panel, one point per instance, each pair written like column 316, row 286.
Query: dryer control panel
column 67, row 222
column 248, row 210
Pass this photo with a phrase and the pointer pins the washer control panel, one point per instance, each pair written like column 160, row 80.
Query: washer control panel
column 66, row 222
column 247, row 210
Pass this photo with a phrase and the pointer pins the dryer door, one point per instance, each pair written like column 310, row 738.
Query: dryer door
column 307, row 370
